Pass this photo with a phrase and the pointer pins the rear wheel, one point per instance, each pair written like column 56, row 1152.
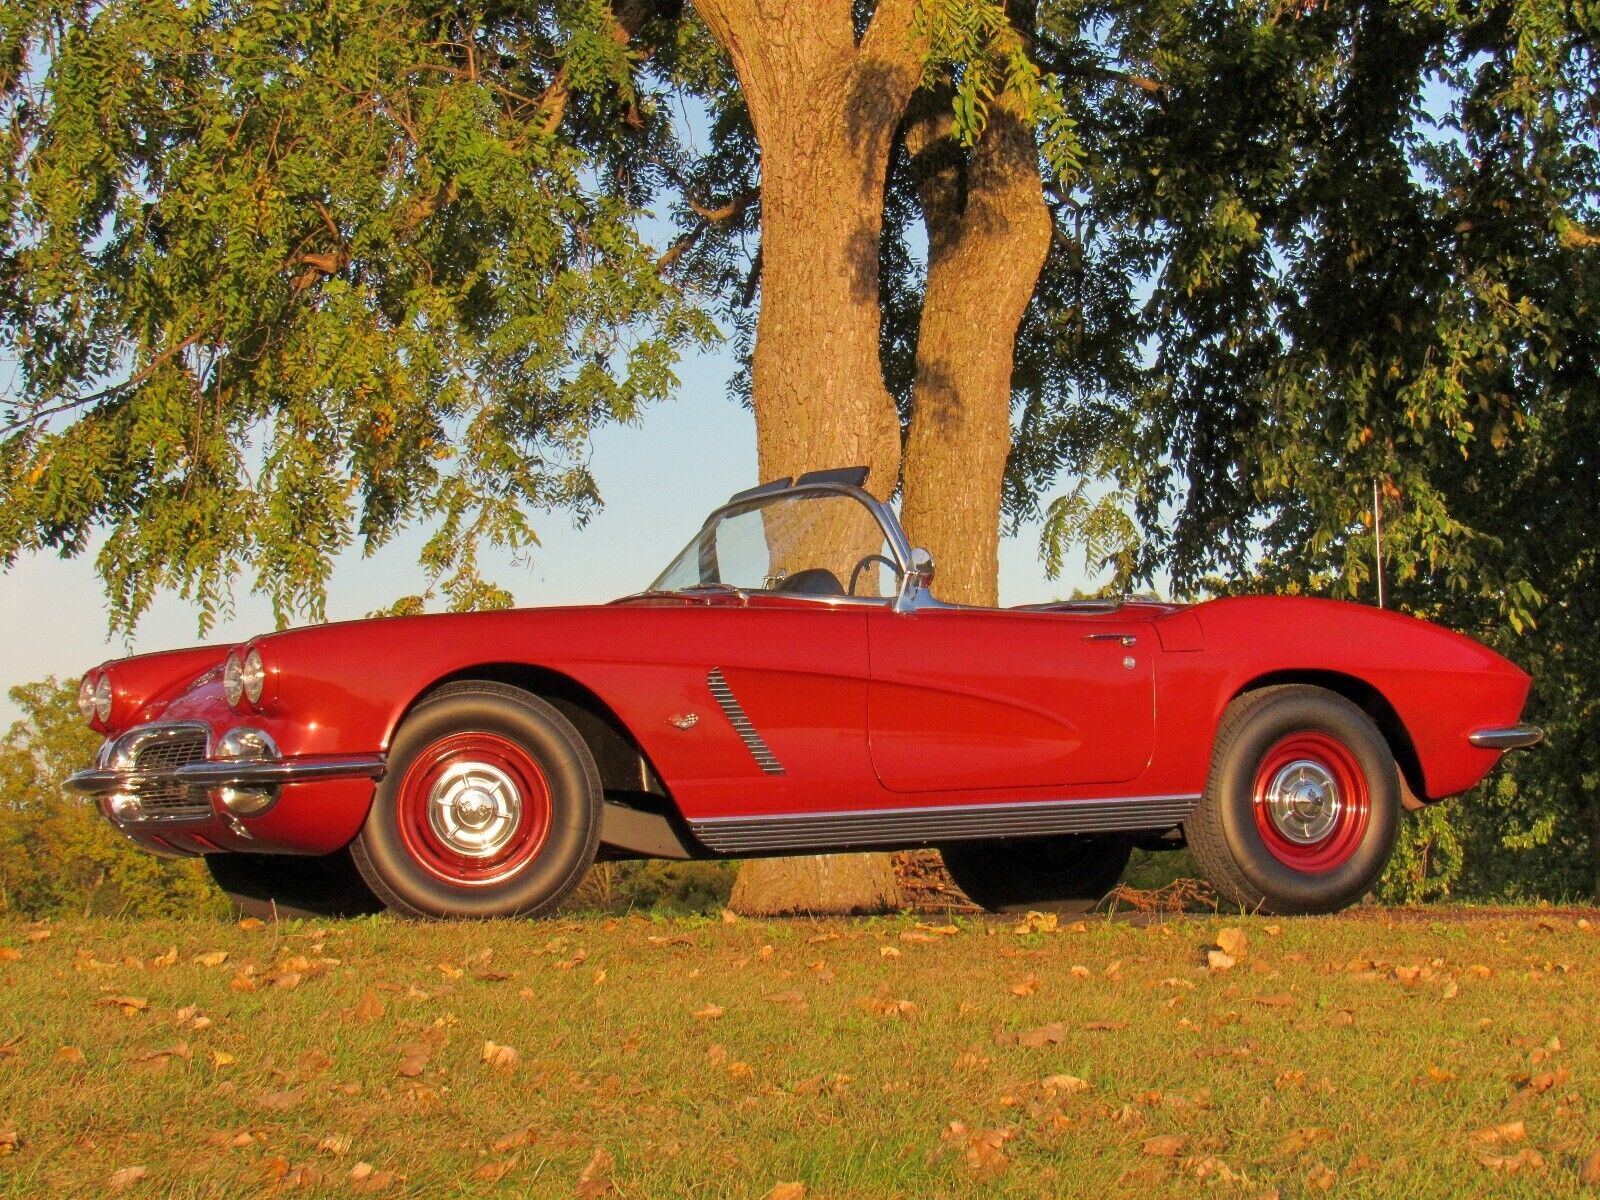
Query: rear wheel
column 285, row 886
column 1302, row 805
column 1066, row 874
column 490, row 808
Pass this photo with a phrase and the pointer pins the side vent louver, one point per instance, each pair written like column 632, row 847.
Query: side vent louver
column 734, row 711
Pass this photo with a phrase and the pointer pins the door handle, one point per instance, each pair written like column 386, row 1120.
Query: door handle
column 1123, row 639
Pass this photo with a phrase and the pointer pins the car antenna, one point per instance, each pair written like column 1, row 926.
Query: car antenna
column 1377, row 537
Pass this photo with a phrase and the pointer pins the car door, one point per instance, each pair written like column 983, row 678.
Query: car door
column 968, row 699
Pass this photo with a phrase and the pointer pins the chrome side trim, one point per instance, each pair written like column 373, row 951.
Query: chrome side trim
column 748, row 734
column 1512, row 737
column 947, row 823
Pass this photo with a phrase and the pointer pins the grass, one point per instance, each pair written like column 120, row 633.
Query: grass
column 1354, row 1056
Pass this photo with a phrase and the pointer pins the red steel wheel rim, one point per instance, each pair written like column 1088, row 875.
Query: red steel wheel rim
column 474, row 809
column 1311, row 802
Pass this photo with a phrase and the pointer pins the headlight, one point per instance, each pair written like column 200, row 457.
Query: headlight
column 254, row 676
column 86, row 697
column 233, row 679
column 102, row 698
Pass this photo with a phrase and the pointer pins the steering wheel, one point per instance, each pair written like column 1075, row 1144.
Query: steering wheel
column 866, row 562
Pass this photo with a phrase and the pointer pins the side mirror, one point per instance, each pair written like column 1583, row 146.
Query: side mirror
column 922, row 568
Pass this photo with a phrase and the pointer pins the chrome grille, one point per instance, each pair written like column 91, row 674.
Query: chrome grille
column 162, row 748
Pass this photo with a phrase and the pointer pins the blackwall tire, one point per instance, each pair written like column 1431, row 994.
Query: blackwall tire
column 283, row 887
column 490, row 807
column 1069, row 874
column 1302, row 805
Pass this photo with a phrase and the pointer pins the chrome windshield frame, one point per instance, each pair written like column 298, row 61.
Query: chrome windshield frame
column 881, row 512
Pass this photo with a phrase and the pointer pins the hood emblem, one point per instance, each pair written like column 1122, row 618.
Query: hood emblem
column 684, row 721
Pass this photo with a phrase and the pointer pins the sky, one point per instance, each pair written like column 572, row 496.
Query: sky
column 659, row 478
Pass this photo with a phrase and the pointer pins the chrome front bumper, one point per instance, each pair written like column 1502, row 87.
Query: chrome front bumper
column 1512, row 737
column 204, row 776
column 174, row 771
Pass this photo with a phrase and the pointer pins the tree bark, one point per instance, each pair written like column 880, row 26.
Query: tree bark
column 989, row 230
column 826, row 110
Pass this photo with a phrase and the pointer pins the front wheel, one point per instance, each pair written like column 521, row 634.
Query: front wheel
column 1302, row 805
column 490, row 808
column 1070, row 873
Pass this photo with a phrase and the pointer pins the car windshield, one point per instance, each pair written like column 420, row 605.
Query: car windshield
column 805, row 543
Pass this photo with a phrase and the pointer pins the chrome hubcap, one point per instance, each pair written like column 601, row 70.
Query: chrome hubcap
column 475, row 809
column 1303, row 801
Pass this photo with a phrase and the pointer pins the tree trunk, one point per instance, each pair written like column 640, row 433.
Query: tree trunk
column 825, row 111
column 988, row 233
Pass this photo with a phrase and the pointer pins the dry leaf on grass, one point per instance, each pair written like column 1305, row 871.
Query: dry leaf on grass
column 1231, row 942
column 128, row 1004
column 1219, row 960
column 499, row 1058
column 69, row 1056
column 1025, row 987
column 1052, row 1034
column 787, row 1191
column 1164, row 1145
column 369, row 1007
column 412, row 1065
column 10, row 1143
column 335, row 1144
column 1499, row 1135
column 1526, row 1159
column 1064, row 1083
column 1589, row 1172
column 595, row 1180
column 250, row 923
column 8, row 954
column 710, row 1012
column 125, row 1178
column 982, row 1149
column 211, row 958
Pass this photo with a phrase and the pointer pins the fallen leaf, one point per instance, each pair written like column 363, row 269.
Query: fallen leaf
column 1300, row 1140
column 412, row 1065
column 1496, row 1135
column 710, row 1012
column 1589, row 1172
column 1526, row 1159
column 125, row 1178
column 981, row 1148
column 595, row 1180
column 1219, row 960
column 1064, row 1083
column 69, row 1056
column 163, row 961
column 1231, row 942
column 1025, row 987
column 36, row 935
column 494, row 1172
column 790, row 997
column 211, row 958
column 514, row 1141
column 128, row 1004
column 1277, row 1000
column 369, row 1007
column 1052, row 1034
column 1164, row 1145
column 221, row 1058
column 787, row 1191
column 499, row 1058
column 889, row 951
column 9, row 954
column 250, row 923
column 335, row 1144
column 10, row 1143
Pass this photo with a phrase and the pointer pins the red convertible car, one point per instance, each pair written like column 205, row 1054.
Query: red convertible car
column 789, row 684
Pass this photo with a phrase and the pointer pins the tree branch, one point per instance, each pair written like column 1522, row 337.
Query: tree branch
column 160, row 360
